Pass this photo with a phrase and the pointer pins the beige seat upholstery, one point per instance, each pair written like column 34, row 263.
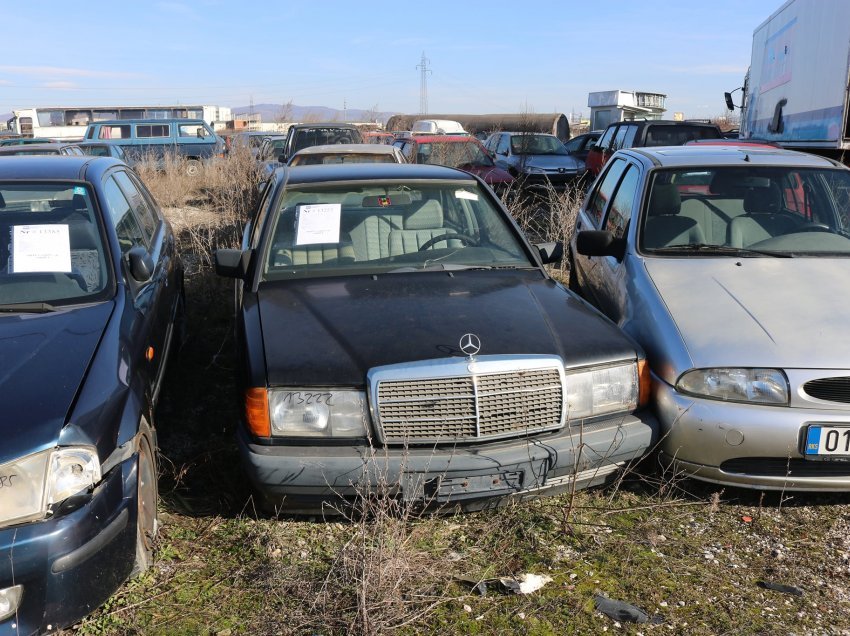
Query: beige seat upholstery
column 420, row 226
column 311, row 254
column 762, row 219
column 371, row 237
column 664, row 225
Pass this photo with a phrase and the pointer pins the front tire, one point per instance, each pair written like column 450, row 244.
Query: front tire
column 147, row 491
column 193, row 168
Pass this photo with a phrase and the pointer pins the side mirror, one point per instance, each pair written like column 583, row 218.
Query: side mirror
column 141, row 264
column 728, row 98
column 550, row 253
column 600, row 243
column 232, row 263
column 281, row 158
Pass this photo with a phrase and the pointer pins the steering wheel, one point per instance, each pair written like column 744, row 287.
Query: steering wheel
column 465, row 238
column 812, row 227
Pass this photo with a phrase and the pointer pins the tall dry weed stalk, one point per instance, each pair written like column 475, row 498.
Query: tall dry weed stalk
column 208, row 210
column 546, row 214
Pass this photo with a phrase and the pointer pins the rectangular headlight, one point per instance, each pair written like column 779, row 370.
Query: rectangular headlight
column 601, row 390
column 303, row 412
column 29, row 485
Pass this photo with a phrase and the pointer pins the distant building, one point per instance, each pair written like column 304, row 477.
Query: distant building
column 610, row 106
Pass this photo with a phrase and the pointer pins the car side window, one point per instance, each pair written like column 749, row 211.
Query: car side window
column 575, row 144
column 607, row 137
column 504, row 144
column 623, row 204
column 629, row 141
column 121, row 215
column 139, row 204
column 619, row 138
column 599, row 199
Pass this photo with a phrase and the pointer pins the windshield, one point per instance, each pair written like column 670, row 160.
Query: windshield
column 319, row 136
column 457, row 154
column 376, row 227
column 51, row 249
column 316, row 158
column 766, row 210
column 537, row 145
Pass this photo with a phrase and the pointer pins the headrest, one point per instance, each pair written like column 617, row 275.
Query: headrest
column 429, row 216
column 2, row 201
column 763, row 200
column 664, row 200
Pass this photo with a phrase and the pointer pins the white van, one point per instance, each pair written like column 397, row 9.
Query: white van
column 437, row 127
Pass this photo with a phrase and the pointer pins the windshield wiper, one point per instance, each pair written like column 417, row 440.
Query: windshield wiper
column 27, row 308
column 436, row 267
column 709, row 248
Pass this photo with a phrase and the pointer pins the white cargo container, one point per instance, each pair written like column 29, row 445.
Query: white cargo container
column 796, row 88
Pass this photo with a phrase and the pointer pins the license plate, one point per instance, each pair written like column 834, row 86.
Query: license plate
column 830, row 441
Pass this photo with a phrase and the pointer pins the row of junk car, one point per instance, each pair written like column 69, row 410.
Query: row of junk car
column 394, row 326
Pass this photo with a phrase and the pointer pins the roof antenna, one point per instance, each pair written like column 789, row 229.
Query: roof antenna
column 746, row 157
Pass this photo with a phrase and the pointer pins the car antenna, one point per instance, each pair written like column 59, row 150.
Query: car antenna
column 746, row 156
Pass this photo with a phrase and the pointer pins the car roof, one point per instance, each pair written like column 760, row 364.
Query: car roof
column 326, row 124
column 371, row 172
column 449, row 139
column 11, row 150
column 662, row 122
column 116, row 122
column 727, row 155
column 53, row 166
column 372, row 149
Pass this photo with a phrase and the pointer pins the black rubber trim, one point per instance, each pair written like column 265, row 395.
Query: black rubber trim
column 87, row 550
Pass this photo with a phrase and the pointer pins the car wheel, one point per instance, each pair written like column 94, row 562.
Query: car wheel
column 193, row 168
column 147, row 523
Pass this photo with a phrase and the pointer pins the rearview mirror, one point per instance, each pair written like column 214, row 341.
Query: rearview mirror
column 728, row 98
column 232, row 263
column 141, row 264
column 600, row 243
column 550, row 253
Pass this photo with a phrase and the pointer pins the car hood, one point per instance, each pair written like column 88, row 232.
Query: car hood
column 758, row 312
column 550, row 162
column 326, row 332
column 490, row 174
column 45, row 358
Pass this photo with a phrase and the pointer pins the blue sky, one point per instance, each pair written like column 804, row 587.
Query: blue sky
column 542, row 56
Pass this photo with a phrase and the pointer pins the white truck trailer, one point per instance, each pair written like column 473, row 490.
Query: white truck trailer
column 796, row 91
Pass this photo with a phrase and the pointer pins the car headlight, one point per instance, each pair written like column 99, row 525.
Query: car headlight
column 761, row 386
column 601, row 390
column 31, row 484
column 317, row 413
column 534, row 170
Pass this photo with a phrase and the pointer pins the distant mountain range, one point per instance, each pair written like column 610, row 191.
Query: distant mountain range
column 290, row 112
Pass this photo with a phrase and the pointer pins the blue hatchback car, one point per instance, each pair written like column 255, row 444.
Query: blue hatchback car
column 91, row 302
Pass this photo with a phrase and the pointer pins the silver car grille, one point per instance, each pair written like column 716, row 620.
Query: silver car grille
column 829, row 389
column 457, row 400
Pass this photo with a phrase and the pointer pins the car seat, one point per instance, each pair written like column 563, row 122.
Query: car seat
column 664, row 226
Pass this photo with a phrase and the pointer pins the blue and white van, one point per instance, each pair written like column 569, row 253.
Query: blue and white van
column 192, row 139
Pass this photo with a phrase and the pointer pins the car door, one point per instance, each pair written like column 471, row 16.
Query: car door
column 137, row 224
column 593, row 215
column 502, row 153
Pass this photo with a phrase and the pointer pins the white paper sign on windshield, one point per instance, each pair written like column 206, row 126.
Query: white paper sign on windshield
column 41, row 248
column 317, row 223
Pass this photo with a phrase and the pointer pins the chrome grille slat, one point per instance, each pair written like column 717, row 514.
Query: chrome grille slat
column 478, row 405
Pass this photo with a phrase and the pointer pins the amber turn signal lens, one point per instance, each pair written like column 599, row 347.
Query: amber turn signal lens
column 149, row 354
column 644, row 382
column 257, row 412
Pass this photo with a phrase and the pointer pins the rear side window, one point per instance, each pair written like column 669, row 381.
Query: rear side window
column 114, row 132
column 599, row 199
column 145, row 131
column 624, row 203
column 138, row 203
column 607, row 136
column 677, row 135
column 122, row 217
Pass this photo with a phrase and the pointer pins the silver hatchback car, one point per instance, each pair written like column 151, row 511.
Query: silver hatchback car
column 730, row 265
